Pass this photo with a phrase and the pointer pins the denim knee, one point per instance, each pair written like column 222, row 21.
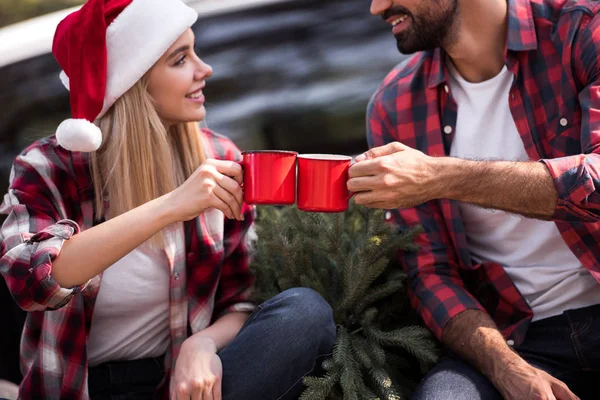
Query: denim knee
column 454, row 378
column 305, row 310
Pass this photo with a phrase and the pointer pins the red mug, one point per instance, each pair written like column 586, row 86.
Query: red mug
column 269, row 176
column 322, row 180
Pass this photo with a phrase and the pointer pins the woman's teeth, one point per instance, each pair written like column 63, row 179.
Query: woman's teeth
column 196, row 95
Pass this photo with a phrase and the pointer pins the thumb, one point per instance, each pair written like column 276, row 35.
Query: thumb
column 377, row 152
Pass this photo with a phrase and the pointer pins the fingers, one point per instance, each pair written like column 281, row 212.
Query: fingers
column 376, row 199
column 368, row 199
column 562, row 392
column 385, row 150
column 216, row 392
column 203, row 391
column 231, row 169
column 230, row 207
column 361, row 184
column 226, row 189
column 199, row 391
column 365, row 168
column 197, row 395
column 232, row 187
column 182, row 393
column 207, row 392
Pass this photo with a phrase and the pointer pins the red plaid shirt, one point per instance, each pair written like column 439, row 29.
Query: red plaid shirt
column 553, row 49
column 50, row 199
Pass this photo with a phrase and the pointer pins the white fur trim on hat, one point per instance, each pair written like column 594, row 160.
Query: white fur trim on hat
column 79, row 135
column 137, row 39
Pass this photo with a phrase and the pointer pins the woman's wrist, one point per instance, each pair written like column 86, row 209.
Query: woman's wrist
column 166, row 209
column 200, row 342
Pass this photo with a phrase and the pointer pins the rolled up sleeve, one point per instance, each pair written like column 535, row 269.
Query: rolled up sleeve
column 34, row 232
column 577, row 182
column 577, row 176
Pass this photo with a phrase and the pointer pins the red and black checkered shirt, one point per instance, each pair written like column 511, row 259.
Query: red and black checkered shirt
column 553, row 51
column 51, row 198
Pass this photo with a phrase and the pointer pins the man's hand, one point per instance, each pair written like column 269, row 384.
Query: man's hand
column 473, row 335
column 523, row 381
column 397, row 176
column 198, row 371
column 393, row 176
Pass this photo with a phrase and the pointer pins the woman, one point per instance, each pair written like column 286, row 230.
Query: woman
column 129, row 244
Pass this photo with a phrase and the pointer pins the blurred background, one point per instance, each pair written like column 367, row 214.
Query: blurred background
column 288, row 74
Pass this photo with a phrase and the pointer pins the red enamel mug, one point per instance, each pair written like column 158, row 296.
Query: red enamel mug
column 269, row 176
column 322, row 180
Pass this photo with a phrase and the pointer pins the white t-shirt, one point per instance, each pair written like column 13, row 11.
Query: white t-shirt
column 131, row 314
column 533, row 253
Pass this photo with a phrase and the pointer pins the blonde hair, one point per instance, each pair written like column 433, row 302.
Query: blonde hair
column 140, row 159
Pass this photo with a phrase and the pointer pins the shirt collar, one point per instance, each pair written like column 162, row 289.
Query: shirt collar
column 521, row 36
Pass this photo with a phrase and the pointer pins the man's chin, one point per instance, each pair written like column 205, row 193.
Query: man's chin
column 406, row 47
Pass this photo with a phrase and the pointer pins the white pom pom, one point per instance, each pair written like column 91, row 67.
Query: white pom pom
column 79, row 135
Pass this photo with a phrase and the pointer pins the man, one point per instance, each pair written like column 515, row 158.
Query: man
column 490, row 139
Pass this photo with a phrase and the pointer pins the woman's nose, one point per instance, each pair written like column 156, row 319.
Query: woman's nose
column 203, row 70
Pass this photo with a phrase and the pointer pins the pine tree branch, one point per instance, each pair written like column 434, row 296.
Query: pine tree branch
column 345, row 257
column 379, row 293
column 415, row 340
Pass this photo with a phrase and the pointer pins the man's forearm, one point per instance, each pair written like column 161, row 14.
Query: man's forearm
column 473, row 335
column 524, row 188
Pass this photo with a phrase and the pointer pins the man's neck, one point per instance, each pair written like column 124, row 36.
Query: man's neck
column 478, row 54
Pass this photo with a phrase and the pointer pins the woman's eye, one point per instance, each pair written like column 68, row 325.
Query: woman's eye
column 181, row 60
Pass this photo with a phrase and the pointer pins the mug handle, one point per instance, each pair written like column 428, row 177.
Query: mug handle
column 241, row 164
column 351, row 194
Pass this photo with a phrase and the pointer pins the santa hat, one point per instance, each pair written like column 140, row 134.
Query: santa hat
column 104, row 48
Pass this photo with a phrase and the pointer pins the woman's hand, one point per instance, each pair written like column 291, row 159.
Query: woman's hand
column 198, row 371
column 215, row 184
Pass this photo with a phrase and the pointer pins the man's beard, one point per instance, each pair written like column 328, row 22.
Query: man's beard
column 432, row 28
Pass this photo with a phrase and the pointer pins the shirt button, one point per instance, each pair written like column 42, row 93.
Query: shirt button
column 564, row 122
column 446, row 89
column 179, row 334
column 510, row 342
column 447, row 129
column 176, row 276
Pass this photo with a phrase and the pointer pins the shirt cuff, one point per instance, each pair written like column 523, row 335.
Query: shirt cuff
column 239, row 307
column 574, row 185
column 47, row 244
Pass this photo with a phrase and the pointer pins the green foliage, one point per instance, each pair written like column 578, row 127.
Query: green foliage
column 381, row 351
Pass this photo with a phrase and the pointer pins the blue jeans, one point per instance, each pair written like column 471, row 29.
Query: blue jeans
column 285, row 339
column 566, row 346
